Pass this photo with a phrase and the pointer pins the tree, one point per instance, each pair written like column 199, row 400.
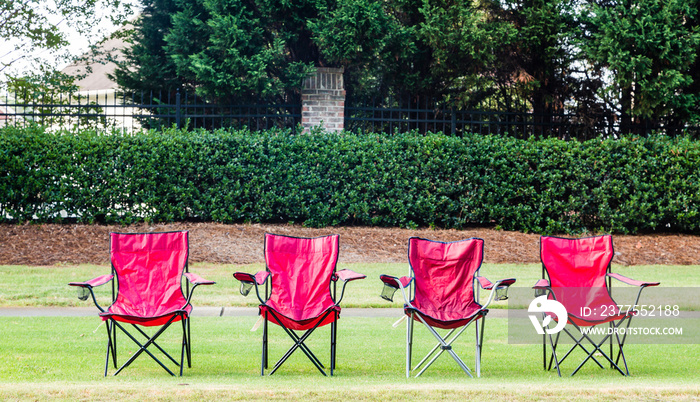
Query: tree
column 242, row 50
column 261, row 50
column 146, row 65
column 649, row 47
column 379, row 45
column 226, row 50
column 544, row 29
column 532, row 56
column 466, row 42
column 693, row 71
column 511, row 55
column 20, row 20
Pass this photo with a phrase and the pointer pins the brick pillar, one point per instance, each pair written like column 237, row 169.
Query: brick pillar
column 323, row 99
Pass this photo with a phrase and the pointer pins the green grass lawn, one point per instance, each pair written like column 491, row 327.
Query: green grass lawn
column 63, row 357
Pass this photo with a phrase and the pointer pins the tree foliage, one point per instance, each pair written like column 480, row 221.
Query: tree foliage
column 21, row 19
column 225, row 46
column 226, row 50
column 146, row 65
column 637, row 57
column 650, row 48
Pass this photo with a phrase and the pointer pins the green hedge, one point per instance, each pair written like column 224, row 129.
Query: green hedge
column 546, row 186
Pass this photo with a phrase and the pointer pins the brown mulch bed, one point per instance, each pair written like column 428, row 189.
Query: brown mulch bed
column 50, row 244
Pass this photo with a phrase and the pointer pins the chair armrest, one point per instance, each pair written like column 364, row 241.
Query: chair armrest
column 86, row 288
column 258, row 279
column 344, row 275
column 642, row 285
column 394, row 281
column 249, row 280
column 541, row 287
column 392, row 284
column 484, row 283
column 197, row 280
column 99, row 281
column 347, row 275
column 506, row 282
column 632, row 282
column 499, row 290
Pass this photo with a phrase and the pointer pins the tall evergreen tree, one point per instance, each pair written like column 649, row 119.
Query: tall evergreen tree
column 226, row 50
column 147, row 66
column 467, row 42
column 649, row 48
column 533, row 62
column 380, row 46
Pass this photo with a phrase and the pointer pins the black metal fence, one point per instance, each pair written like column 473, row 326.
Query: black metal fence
column 457, row 122
column 110, row 110
column 429, row 116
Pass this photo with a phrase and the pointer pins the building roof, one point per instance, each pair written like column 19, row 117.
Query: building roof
column 97, row 78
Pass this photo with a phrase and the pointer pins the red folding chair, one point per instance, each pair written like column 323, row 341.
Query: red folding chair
column 299, row 291
column 149, row 268
column 578, row 272
column 444, row 277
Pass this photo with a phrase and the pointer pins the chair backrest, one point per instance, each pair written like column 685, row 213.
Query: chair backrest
column 577, row 269
column 300, row 271
column 576, row 262
column 149, row 268
column 444, row 272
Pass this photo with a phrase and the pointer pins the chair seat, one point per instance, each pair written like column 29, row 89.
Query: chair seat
column 589, row 306
column 132, row 315
column 448, row 318
column 301, row 308
column 300, row 324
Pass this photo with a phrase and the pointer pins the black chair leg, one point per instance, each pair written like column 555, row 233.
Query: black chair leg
column 334, row 331
column 263, row 363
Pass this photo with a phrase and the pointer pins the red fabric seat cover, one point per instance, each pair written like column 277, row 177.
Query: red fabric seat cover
column 577, row 271
column 444, row 274
column 149, row 268
column 300, row 272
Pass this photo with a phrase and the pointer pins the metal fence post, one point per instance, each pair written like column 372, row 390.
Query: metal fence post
column 178, row 112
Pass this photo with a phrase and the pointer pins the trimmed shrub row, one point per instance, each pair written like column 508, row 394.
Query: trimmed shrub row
column 627, row 185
